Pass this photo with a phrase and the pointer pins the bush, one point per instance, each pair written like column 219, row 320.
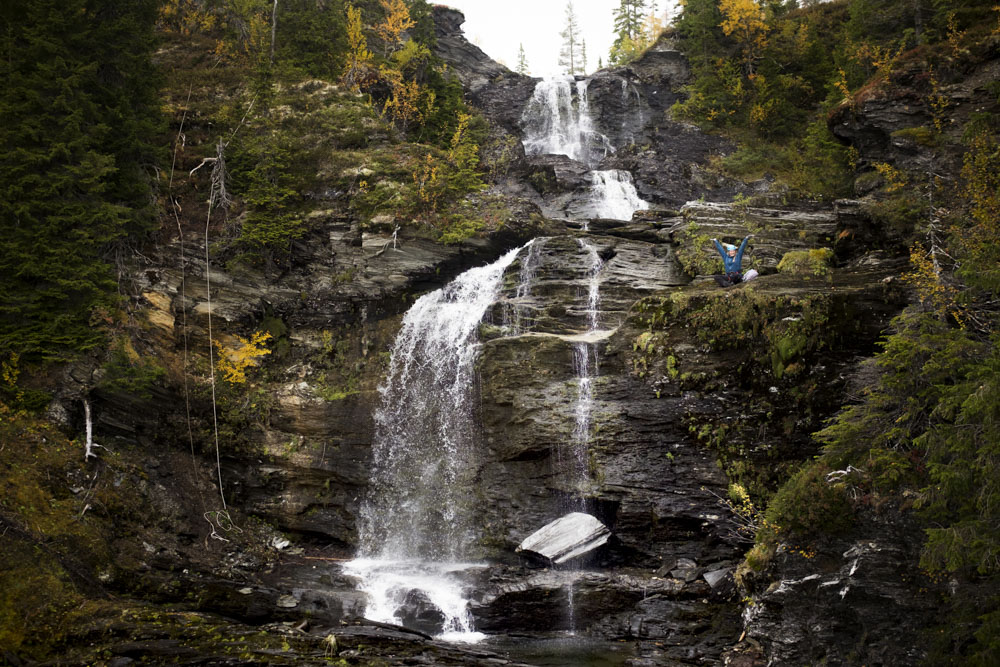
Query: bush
column 813, row 262
column 807, row 505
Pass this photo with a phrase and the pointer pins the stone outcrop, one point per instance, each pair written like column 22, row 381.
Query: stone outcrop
column 901, row 120
column 843, row 600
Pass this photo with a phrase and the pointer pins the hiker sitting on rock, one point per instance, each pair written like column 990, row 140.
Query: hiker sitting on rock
column 733, row 261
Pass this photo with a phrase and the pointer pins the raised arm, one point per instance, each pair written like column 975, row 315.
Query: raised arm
column 743, row 246
column 720, row 249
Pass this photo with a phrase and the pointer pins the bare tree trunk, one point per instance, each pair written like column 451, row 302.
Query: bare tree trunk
column 274, row 27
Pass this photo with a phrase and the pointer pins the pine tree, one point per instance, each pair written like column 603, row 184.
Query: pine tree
column 629, row 19
column 79, row 107
column 699, row 25
column 569, row 54
column 313, row 35
column 583, row 57
column 522, row 61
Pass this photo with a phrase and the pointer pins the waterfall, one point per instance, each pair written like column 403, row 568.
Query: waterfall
column 557, row 124
column 417, row 524
column 515, row 311
column 584, row 352
column 614, row 195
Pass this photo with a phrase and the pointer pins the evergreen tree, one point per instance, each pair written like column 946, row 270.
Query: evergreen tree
column 569, row 54
column 628, row 18
column 891, row 21
column 583, row 56
column 261, row 176
column 699, row 26
column 312, row 35
column 522, row 61
column 79, row 105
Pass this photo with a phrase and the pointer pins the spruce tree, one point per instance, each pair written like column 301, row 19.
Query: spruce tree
column 569, row 54
column 313, row 36
column 629, row 19
column 78, row 104
column 522, row 61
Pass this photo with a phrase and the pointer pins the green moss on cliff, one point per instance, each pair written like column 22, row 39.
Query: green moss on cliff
column 806, row 264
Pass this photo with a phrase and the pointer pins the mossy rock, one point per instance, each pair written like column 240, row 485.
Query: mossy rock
column 815, row 262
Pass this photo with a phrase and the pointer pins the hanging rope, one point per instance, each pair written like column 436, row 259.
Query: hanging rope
column 218, row 198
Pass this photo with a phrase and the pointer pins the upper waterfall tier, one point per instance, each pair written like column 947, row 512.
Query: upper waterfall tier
column 557, row 121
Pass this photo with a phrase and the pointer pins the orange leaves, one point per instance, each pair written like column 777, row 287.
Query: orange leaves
column 426, row 180
column 358, row 71
column 926, row 276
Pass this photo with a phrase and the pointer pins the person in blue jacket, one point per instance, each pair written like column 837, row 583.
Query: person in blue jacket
column 732, row 259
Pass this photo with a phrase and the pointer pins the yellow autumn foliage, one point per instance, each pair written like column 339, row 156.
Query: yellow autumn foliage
column 358, row 68
column 397, row 21
column 234, row 361
column 745, row 21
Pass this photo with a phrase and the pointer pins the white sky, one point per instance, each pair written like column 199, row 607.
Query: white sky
column 499, row 26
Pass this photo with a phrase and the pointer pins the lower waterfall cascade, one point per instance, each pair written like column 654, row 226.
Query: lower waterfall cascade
column 417, row 523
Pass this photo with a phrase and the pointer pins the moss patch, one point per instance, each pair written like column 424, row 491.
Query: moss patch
column 812, row 263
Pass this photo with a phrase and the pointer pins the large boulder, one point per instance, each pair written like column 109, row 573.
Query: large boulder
column 566, row 538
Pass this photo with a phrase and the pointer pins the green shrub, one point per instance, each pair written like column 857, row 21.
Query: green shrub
column 813, row 262
column 807, row 505
column 127, row 372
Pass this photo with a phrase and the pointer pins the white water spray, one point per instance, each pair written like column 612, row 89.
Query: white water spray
column 614, row 195
column 516, row 315
column 585, row 362
column 557, row 121
column 418, row 523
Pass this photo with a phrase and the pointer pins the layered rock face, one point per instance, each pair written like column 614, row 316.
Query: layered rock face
column 530, row 398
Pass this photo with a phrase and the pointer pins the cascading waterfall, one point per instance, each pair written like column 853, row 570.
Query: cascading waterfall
column 585, row 368
column 557, row 122
column 585, row 361
column 515, row 311
column 615, row 195
column 417, row 526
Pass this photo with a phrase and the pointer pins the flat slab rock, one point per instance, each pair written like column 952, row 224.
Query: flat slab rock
column 566, row 538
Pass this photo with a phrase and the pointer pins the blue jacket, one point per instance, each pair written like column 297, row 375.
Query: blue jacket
column 732, row 264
